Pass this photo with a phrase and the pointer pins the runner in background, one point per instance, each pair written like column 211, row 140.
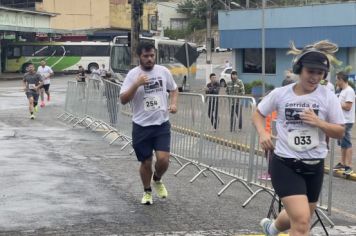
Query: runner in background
column 46, row 73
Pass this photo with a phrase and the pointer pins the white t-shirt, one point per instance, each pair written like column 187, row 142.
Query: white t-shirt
column 45, row 73
column 330, row 86
column 291, row 128
column 348, row 95
column 150, row 103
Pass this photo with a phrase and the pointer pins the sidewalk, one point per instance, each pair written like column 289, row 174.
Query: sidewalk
column 11, row 76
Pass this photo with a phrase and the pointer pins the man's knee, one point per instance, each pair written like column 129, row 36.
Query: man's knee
column 146, row 163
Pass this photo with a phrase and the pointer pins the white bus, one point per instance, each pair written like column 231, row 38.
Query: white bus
column 61, row 56
column 166, row 49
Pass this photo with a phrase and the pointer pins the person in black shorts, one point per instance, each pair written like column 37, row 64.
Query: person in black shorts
column 146, row 86
column 306, row 112
column 32, row 83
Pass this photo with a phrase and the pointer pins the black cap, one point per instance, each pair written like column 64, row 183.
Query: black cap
column 315, row 60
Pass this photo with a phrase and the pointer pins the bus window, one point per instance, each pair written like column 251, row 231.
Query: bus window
column 13, row 52
column 166, row 53
column 75, row 50
column 27, row 51
column 160, row 54
column 96, row 51
column 120, row 59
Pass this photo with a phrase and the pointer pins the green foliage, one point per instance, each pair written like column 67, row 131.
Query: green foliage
column 197, row 9
column 196, row 24
column 176, row 34
column 255, row 83
column 248, row 88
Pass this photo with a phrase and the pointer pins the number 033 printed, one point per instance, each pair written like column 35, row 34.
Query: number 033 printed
column 303, row 140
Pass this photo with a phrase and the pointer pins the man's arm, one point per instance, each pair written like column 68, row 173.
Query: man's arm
column 346, row 106
column 242, row 88
column 40, row 83
column 173, row 101
column 130, row 93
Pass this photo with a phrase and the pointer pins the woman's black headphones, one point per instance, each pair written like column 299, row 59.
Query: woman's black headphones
column 297, row 64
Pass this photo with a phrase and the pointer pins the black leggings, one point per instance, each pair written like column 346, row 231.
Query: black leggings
column 294, row 177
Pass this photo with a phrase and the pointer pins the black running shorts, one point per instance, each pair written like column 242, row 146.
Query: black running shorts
column 46, row 87
column 147, row 139
column 31, row 93
column 297, row 177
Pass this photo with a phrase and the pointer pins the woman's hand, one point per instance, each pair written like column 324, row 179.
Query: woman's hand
column 266, row 141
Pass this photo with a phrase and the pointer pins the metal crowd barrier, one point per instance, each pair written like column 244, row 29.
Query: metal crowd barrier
column 212, row 133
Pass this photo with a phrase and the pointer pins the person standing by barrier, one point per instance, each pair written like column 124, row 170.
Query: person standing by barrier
column 306, row 113
column 347, row 100
column 146, row 86
column 103, row 72
column 32, row 82
column 213, row 88
column 46, row 72
column 81, row 79
column 235, row 87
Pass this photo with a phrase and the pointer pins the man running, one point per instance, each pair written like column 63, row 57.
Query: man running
column 146, row 86
column 46, row 72
column 32, row 83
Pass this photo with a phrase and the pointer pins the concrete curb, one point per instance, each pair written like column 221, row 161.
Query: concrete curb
column 340, row 174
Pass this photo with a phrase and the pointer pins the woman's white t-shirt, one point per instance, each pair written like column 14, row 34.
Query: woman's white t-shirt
column 292, row 132
column 150, row 103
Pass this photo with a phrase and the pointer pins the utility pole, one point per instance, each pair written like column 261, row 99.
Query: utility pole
column 247, row 3
column 263, row 39
column 208, row 32
column 136, row 10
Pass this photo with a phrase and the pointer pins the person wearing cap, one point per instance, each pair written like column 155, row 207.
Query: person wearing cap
column 235, row 87
column 347, row 101
column 306, row 113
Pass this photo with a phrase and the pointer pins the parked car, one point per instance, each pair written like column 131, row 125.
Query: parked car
column 201, row 49
column 225, row 76
column 219, row 49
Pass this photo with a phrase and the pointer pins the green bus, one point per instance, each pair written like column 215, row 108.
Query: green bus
column 60, row 56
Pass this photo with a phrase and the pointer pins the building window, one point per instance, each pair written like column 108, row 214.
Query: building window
column 252, row 61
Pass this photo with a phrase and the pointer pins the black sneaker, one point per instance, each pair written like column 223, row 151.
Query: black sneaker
column 339, row 166
column 348, row 170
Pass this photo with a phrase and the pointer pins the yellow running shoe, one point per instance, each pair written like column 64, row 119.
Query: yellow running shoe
column 160, row 189
column 147, row 198
column 35, row 108
column 32, row 117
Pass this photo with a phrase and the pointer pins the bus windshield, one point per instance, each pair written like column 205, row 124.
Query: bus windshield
column 120, row 59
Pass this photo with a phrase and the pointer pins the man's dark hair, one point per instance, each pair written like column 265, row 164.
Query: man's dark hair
column 342, row 76
column 211, row 75
column 234, row 72
column 30, row 64
column 147, row 46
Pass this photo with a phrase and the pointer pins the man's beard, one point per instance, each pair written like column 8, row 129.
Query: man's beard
column 147, row 67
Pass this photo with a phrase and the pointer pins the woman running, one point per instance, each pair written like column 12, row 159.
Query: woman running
column 307, row 112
